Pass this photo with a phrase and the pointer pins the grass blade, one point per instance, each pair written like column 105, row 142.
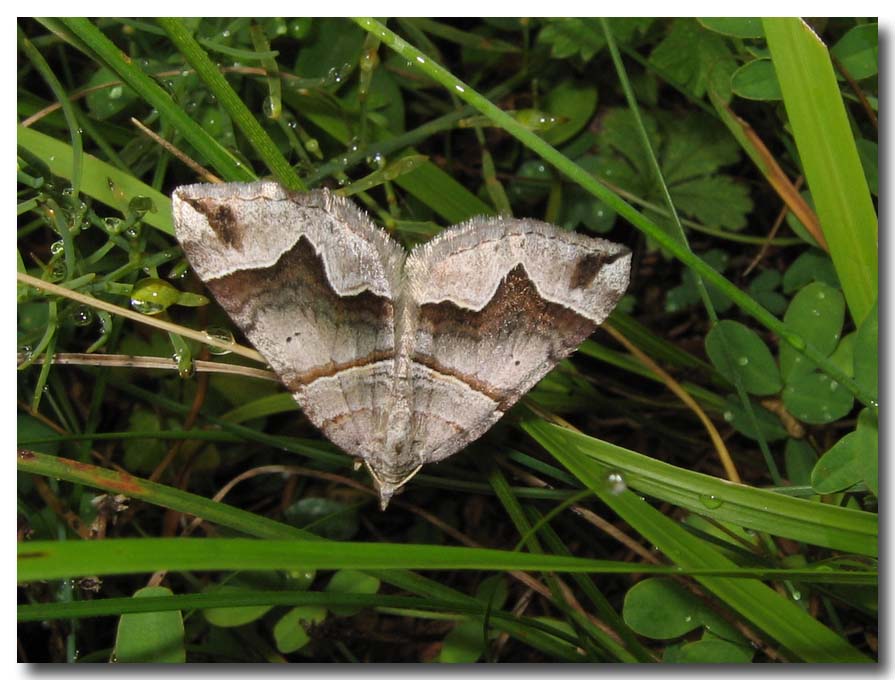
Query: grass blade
column 829, row 157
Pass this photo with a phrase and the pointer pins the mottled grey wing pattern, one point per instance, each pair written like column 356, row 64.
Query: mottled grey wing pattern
column 313, row 284
column 499, row 303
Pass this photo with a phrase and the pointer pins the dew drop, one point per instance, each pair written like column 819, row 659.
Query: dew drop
column 743, row 361
column 616, row 483
column 83, row 316
column 221, row 335
column 459, row 88
column 728, row 416
column 57, row 247
column 116, row 92
column 710, row 501
column 114, row 225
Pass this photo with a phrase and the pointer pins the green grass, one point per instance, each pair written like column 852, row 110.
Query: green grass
column 527, row 546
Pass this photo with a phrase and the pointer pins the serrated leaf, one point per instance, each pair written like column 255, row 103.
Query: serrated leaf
column 816, row 313
column 735, row 349
column 568, row 37
column 150, row 637
column 717, row 201
column 815, row 398
column 694, row 58
column 687, row 293
column 858, row 51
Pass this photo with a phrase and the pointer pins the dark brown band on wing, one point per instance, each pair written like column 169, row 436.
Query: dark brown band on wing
column 515, row 310
column 516, row 306
column 298, row 281
column 298, row 273
column 330, row 369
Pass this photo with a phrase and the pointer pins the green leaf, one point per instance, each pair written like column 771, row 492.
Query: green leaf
column 769, row 424
column 840, row 467
column 816, row 398
column 151, row 637
column 735, row 349
column 737, row 27
column 574, row 100
column 817, row 313
column 290, row 632
column 230, row 617
column 691, row 151
column 332, row 48
column 756, row 80
column 800, row 459
column 464, row 644
column 326, row 517
column 868, row 150
column 142, row 455
column 350, row 581
column 813, row 265
column 661, row 609
column 570, row 37
column 717, row 201
column 764, row 289
column 858, row 51
column 711, row 651
column 687, row 294
column 868, row 455
column 694, row 58
column 866, row 352
column 110, row 100
column 29, row 427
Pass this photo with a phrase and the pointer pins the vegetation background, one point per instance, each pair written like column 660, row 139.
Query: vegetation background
column 697, row 484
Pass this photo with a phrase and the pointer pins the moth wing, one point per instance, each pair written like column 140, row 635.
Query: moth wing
column 500, row 302
column 312, row 283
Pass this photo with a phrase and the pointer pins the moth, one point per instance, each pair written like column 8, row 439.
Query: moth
column 400, row 359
